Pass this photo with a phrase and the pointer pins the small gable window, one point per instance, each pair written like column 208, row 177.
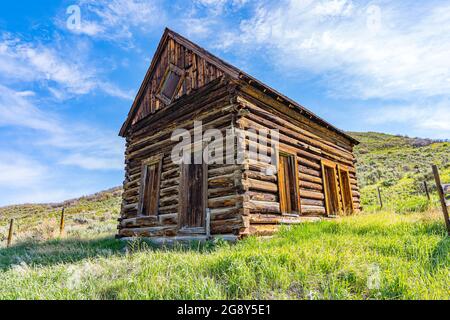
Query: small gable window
column 170, row 84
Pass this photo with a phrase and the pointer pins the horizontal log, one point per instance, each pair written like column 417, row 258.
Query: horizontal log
column 310, row 178
column 167, row 219
column 144, row 221
column 261, row 196
column 254, row 184
column 312, row 210
column 280, row 219
column 223, row 170
column 170, row 182
column 169, row 191
column 310, row 185
column 167, row 231
column 168, row 201
column 260, row 176
column 222, row 181
column 221, row 192
column 224, row 213
column 220, row 202
column 310, row 194
column 262, row 206
column 311, row 202
column 263, row 229
column 233, row 226
column 168, row 209
column 172, row 173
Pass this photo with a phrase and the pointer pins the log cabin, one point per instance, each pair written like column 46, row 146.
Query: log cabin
column 312, row 176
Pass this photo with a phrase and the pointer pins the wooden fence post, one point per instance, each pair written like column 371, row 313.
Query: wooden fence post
column 444, row 203
column 379, row 198
column 10, row 233
column 61, row 223
column 425, row 184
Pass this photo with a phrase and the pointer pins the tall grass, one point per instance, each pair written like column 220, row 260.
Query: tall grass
column 374, row 256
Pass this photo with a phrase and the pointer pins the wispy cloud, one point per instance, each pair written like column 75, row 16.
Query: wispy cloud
column 430, row 117
column 117, row 20
column 17, row 110
column 75, row 144
column 360, row 50
column 20, row 171
column 60, row 69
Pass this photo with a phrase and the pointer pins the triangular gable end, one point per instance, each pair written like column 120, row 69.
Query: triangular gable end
column 178, row 67
column 181, row 66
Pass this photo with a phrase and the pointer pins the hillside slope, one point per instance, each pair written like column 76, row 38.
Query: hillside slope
column 90, row 215
column 399, row 166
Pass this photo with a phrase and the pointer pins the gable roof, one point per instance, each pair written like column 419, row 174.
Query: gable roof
column 231, row 71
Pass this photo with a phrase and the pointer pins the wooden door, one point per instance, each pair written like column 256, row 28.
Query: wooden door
column 194, row 196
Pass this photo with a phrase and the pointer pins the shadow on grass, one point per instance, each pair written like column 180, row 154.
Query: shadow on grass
column 59, row 251
column 439, row 255
column 72, row 250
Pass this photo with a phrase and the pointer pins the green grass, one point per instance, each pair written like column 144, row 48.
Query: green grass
column 408, row 254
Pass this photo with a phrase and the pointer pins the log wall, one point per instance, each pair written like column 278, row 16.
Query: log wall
column 242, row 198
column 214, row 106
column 296, row 136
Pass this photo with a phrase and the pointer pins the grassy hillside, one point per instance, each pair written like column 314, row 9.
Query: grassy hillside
column 96, row 214
column 381, row 255
column 399, row 166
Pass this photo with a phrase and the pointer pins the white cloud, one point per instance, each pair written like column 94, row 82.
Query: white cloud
column 18, row 170
column 44, row 149
column 93, row 162
column 401, row 55
column 118, row 19
column 16, row 110
column 219, row 6
column 430, row 117
column 76, row 144
column 62, row 70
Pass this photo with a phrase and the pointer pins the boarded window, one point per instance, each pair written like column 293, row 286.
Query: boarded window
column 346, row 191
column 170, row 85
column 330, row 184
column 150, row 183
column 288, row 183
column 193, row 192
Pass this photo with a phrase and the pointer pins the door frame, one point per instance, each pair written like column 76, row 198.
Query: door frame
column 156, row 161
column 292, row 157
column 346, row 171
column 182, row 207
column 333, row 166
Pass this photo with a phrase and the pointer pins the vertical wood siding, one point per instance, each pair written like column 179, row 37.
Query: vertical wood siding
column 198, row 73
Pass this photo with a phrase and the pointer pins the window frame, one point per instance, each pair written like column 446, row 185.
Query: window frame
column 346, row 171
column 281, row 185
column 157, row 162
column 333, row 166
column 178, row 71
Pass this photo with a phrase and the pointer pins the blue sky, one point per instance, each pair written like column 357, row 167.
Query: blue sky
column 64, row 92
